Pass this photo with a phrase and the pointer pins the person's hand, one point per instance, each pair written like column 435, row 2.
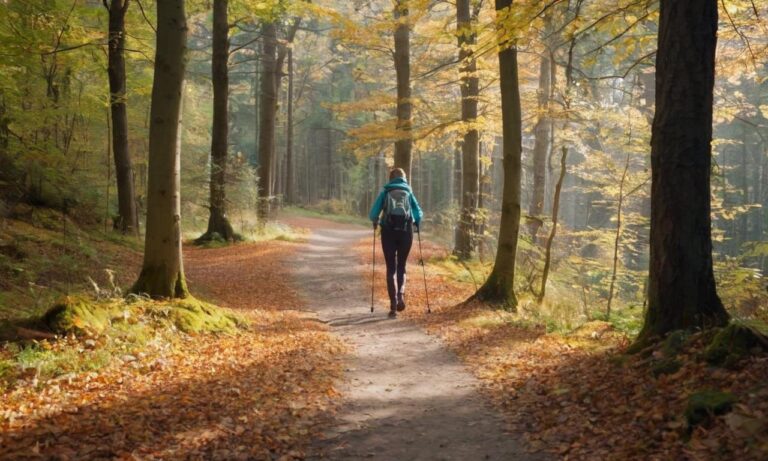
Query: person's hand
column 374, row 224
column 418, row 231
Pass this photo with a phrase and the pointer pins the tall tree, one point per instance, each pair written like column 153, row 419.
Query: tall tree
column 162, row 273
column 681, row 290
column 402, row 55
column 218, row 222
column 289, row 160
column 466, row 18
column 499, row 287
column 543, row 144
column 272, row 59
column 128, row 218
column 268, row 113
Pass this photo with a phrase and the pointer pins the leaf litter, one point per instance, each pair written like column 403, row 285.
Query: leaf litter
column 576, row 395
column 263, row 393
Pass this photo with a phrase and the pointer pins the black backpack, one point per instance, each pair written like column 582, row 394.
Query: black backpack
column 397, row 209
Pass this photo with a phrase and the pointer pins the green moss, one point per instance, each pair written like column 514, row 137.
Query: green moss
column 78, row 315
column 705, row 404
column 193, row 316
column 674, row 342
column 733, row 343
column 665, row 366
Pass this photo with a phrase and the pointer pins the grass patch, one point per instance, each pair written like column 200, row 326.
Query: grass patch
column 270, row 231
column 328, row 215
column 281, row 232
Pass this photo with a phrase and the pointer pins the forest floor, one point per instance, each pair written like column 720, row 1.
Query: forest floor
column 575, row 394
column 260, row 393
column 316, row 374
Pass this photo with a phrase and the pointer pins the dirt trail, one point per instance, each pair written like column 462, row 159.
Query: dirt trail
column 407, row 397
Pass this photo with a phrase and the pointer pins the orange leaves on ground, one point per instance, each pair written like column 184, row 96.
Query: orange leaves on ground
column 575, row 395
column 244, row 276
column 260, row 394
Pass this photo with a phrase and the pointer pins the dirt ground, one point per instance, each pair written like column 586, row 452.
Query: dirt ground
column 406, row 396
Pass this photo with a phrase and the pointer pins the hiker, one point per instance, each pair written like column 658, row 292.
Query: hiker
column 400, row 212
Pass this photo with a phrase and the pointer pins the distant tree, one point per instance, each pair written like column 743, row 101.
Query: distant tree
column 128, row 218
column 272, row 59
column 290, row 189
column 543, row 144
column 499, row 287
column 162, row 273
column 682, row 292
column 218, row 222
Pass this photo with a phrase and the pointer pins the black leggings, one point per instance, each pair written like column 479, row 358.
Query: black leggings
column 396, row 246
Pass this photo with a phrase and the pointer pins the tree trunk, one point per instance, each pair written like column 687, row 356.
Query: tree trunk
column 267, row 115
column 272, row 67
column 128, row 218
column 553, row 232
column 682, row 292
column 456, row 172
column 218, row 222
column 289, row 192
column 617, row 240
column 162, row 273
column 470, row 89
column 499, row 287
column 541, row 147
column 403, row 70
column 256, row 104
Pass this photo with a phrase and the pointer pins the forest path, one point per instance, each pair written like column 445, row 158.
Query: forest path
column 407, row 396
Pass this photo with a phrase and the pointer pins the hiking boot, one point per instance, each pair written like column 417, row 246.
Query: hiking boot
column 392, row 314
column 400, row 303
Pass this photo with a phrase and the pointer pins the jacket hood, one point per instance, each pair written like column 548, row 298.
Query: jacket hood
column 398, row 183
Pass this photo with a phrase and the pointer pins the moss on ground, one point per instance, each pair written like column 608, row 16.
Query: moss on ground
column 674, row 343
column 733, row 343
column 705, row 404
column 80, row 315
column 665, row 366
column 79, row 333
column 74, row 314
column 194, row 316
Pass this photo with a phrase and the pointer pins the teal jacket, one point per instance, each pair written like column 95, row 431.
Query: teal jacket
column 397, row 183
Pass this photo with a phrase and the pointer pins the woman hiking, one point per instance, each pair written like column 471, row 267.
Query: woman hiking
column 400, row 212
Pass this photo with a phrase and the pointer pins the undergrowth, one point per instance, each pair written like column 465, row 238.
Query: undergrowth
column 563, row 310
column 80, row 334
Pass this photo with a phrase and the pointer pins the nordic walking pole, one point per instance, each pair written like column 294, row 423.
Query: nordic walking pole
column 373, row 266
column 423, row 270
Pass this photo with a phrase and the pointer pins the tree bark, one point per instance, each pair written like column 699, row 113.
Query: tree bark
column 267, row 116
column 272, row 67
column 541, row 147
column 402, row 57
column 456, row 172
column 470, row 90
column 499, row 287
column 256, row 104
column 289, row 167
column 218, row 222
column 553, row 232
column 162, row 273
column 128, row 218
column 682, row 292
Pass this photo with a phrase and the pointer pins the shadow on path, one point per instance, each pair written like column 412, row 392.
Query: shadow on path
column 407, row 397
